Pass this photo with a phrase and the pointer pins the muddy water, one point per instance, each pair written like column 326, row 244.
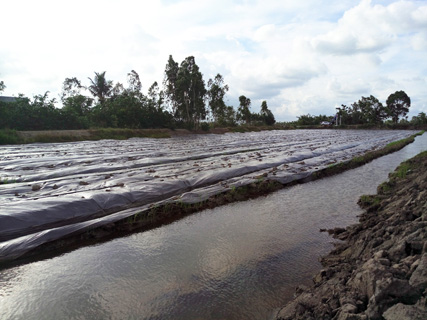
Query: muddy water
column 237, row 261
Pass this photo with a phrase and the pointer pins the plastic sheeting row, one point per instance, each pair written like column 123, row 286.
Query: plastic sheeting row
column 56, row 190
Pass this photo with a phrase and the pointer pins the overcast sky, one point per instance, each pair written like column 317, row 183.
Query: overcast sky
column 302, row 56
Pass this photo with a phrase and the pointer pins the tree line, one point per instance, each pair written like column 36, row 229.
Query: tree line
column 184, row 101
column 370, row 111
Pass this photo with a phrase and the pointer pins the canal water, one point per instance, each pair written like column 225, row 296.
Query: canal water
column 239, row 261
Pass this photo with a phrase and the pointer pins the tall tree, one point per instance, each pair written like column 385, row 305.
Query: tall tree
column 100, row 87
column 170, row 83
column 185, row 90
column 117, row 90
column 371, row 110
column 267, row 115
column 345, row 115
column 421, row 118
column 310, row 120
column 76, row 106
column 190, row 92
column 5, row 112
column 134, row 81
column 216, row 92
column 158, row 116
column 156, row 97
column 243, row 111
column 43, row 112
column 398, row 104
column 71, row 87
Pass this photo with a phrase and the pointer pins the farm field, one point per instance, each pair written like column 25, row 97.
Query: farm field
column 49, row 191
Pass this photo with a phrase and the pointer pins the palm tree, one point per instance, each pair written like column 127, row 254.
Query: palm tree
column 100, row 87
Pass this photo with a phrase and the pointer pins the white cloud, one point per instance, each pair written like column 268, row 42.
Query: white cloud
column 349, row 86
column 361, row 29
column 419, row 41
column 372, row 28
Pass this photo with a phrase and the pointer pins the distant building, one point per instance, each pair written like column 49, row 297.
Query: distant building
column 7, row 99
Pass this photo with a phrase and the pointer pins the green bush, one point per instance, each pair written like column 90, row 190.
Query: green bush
column 9, row 137
column 204, row 126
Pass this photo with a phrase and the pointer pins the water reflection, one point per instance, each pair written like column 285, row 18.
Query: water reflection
column 238, row 261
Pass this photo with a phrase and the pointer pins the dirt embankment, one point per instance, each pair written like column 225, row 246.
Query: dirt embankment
column 91, row 133
column 96, row 134
column 379, row 271
column 106, row 133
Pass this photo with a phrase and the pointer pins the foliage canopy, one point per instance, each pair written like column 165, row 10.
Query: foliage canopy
column 184, row 101
column 398, row 104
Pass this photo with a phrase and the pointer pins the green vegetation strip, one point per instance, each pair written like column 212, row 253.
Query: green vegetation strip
column 386, row 189
column 368, row 157
column 16, row 137
column 9, row 137
column 123, row 134
column 400, row 173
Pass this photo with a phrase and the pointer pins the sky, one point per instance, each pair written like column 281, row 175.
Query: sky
column 301, row 56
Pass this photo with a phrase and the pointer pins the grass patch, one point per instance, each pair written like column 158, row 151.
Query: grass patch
column 406, row 167
column 385, row 188
column 45, row 138
column 422, row 155
column 15, row 137
column 402, row 170
column 6, row 181
column 123, row 134
column 366, row 201
column 8, row 136
column 242, row 129
column 253, row 128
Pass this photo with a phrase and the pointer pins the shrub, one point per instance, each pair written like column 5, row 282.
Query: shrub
column 9, row 137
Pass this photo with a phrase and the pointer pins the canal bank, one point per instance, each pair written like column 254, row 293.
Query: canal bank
column 379, row 271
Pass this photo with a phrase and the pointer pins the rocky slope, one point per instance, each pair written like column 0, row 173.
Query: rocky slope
column 379, row 269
